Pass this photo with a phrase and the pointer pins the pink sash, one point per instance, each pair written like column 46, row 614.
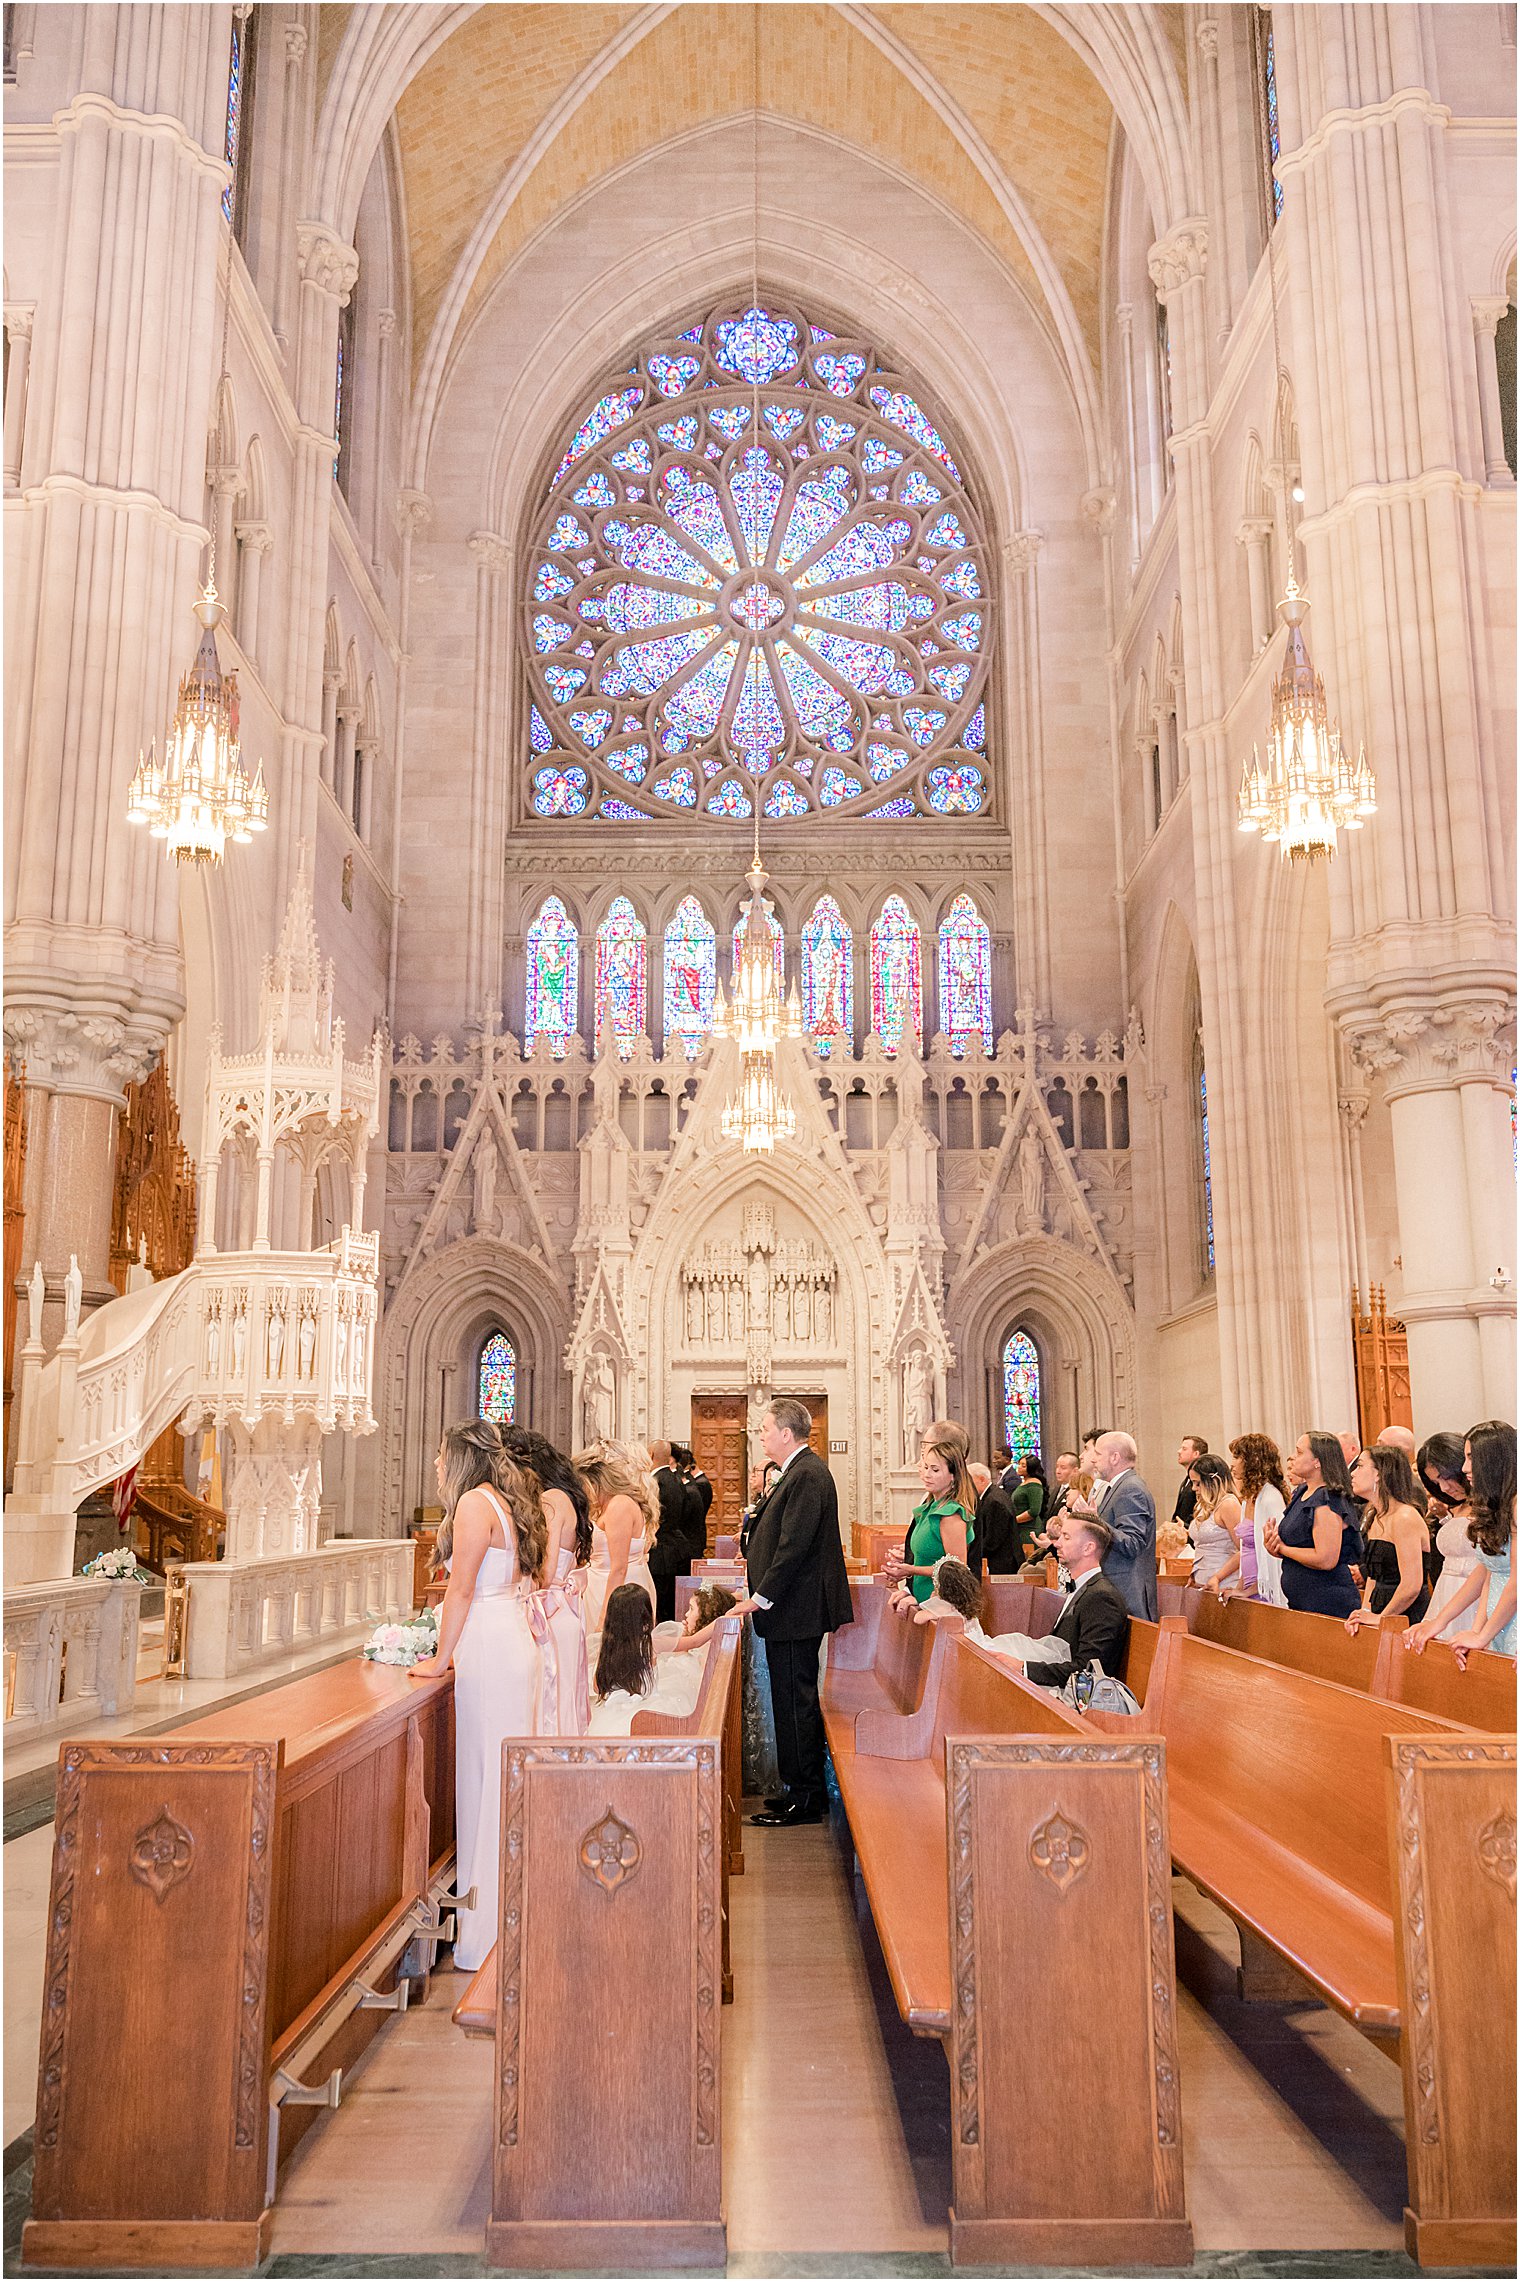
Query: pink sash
column 540, row 1606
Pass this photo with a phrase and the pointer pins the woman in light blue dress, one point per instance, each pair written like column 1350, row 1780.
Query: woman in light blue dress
column 1490, row 1591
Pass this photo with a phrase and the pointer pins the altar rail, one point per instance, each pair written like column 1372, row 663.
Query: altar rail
column 245, row 1613
column 70, row 1651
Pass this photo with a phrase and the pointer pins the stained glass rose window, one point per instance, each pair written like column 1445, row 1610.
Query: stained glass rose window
column 793, row 613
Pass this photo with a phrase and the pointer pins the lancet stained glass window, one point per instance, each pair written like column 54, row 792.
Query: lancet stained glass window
column 237, row 96
column 965, row 974
column 498, row 1380
column 792, row 610
column 828, row 986
column 1208, row 1176
column 554, row 958
column 897, row 997
column 1021, row 1396
column 691, row 972
column 621, row 971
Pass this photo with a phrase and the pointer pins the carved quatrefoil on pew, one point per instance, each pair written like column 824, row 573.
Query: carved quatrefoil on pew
column 610, row 1852
column 161, row 1854
column 1060, row 1851
column 1496, row 1851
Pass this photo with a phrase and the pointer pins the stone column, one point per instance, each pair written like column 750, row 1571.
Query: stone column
column 1255, row 535
column 104, row 553
column 331, row 684
column 495, row 559
column 254, row 541
column 385, row 358
column 18, row 334
column 292, row 116
column 349, row 716
column 225, row 488
column 1486, row 316
column 1124, row 318
column 366, row 752
column 1422, row 949
column 1023, row 773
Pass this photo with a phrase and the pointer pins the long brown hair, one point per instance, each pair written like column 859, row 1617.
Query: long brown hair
column 1395, row 1478
column 945, row 1440
column 1492, row 1473
column 620, row 1469
column 626, row 1656
column 474, row 1459
column 1261, row 1465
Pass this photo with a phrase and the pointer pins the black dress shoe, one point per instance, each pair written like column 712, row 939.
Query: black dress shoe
column 775, row 1805
column 788, row 1817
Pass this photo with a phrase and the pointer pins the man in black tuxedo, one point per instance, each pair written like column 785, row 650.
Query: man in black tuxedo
column 670, row 1555
column 1190, row 1449
column 1094, row 1622
column 699, row 1493
column 798, row 1591
column 995, row 1535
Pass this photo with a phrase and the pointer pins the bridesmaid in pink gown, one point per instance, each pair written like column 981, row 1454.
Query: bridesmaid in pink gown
column 494, row 1538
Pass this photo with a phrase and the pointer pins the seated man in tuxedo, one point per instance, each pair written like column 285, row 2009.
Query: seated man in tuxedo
column 995, row 1532
column 1094, row 1622
column 798, row 1591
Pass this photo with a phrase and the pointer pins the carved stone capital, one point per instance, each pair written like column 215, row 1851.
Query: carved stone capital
column 84, row 1053
column 326, row 261
column 491, row 551
column 19, row 319
column 386, row 324
column 1175, row 260
column 295, row 43
column 1353, row 1108
column 1422, row 1049
column 1022, row 550
column 1098, row 509
column 1253, row 530
column 414, row 509
column 254, row 538
column 1207, row 36
column 1486, row 315
column 1124, row 318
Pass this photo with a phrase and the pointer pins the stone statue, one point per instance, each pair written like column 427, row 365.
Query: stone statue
column 917, row 1402
column 484, row 1172
column 1031, row 1185
column 306, row 1342
column 36, row 1293
column 599, row 1398
column 213, row 1336
column 239, row 1338
column 340, row 1344
column 73, row 1295
column 274, row 1338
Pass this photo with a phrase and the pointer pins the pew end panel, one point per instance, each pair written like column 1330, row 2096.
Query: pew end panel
column 853, row 1647
column 1483, row 1696
column 1451, row 1826
column 913, row 1670
column 608, row 2006
column 164, row 1863
column 1059, row 1849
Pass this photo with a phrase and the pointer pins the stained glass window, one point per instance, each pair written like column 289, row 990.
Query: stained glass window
column 897, row 997
column 1269, row 74
column 553, row 950
column 498, row 1380
column 237, row 93
column 1021, row 1396
column 621, row 969
column 965, row 974
column 1208, row 1175
column 777, row 604
column 828, row 986
column 691, row 973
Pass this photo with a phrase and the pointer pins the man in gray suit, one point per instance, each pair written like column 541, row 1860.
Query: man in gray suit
column 1128, row 1508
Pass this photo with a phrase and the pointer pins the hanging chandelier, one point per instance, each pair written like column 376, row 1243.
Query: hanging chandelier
column 1307, row 790
column 759, row 1114
column 198, row 797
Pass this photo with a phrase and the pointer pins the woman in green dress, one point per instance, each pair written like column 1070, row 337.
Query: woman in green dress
column 942, row 1523
column 1028, row 1504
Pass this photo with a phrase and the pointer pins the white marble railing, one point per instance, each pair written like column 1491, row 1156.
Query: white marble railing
column 246, row 1613
column 70, row 1652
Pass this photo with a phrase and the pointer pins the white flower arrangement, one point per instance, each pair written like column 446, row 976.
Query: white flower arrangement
column 404, row 1644
column 121, row 1561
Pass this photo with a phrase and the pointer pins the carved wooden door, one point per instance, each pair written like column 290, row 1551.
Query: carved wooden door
column 818, row 1407
column 717, row 1441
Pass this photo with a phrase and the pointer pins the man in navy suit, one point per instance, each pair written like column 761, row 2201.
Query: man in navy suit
column 1129, row 1510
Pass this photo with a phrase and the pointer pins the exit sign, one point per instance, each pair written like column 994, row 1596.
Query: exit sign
column 833, row 1446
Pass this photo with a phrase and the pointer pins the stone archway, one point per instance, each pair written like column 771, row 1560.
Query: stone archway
column 1082, row 1323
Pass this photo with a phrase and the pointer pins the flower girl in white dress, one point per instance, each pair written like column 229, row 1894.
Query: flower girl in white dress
column 494, row 1539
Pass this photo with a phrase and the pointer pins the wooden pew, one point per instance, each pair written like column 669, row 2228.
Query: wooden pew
column 607, row 1974
column 1279, row 1814
column 1373, row 1660
column 232, row 1908
column 1020, row 1835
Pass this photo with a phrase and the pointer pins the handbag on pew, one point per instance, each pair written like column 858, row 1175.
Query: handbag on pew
column 1092, row 1689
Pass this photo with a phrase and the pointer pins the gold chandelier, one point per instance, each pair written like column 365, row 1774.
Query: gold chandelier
column 759, row 1114
column 1308, row 788
column 198, row 797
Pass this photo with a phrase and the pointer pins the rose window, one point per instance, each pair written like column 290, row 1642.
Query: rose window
column 791, row 611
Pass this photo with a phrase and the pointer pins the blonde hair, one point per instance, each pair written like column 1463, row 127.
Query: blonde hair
column 474, row 1459
column 620, row 1469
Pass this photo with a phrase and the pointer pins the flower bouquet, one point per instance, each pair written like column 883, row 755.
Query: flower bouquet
column 404, row 1644
column 120, row 1562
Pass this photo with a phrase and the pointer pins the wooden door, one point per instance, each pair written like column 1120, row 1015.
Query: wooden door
column 818, row 1408
column 718, row 1445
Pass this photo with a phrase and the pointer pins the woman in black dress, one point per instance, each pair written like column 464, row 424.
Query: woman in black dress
column 1400, row 1563
column 1317, row 1539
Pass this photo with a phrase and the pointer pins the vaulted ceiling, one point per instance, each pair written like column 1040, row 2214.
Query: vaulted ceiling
column 521, row 108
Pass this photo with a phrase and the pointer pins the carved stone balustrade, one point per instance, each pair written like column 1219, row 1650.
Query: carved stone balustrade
column 246, row 1613
column 70, row 1652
